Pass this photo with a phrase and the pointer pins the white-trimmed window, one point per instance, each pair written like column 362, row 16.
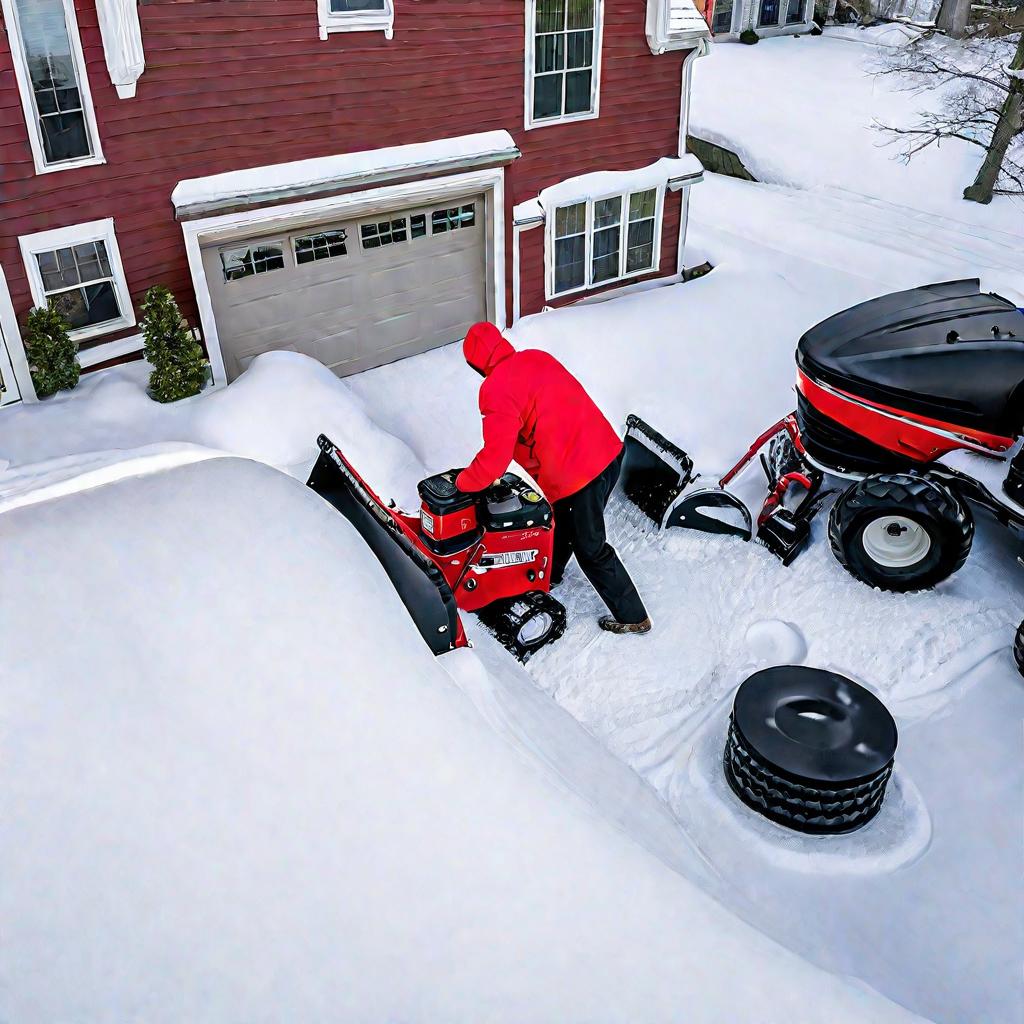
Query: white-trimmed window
column 55, row 96
column 563, row 60
column 79, row 270
column 595, row 242
column 356, row 16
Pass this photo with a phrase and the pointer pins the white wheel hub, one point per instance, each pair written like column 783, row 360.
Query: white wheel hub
column 533, row 629
column 895, row 542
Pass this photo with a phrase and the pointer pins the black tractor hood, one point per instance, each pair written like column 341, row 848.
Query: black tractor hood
column 946, row 351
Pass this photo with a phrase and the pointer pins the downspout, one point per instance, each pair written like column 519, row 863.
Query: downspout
column 518, row 227
column 702, row 48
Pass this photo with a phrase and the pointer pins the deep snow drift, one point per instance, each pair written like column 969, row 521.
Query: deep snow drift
column 238, row 788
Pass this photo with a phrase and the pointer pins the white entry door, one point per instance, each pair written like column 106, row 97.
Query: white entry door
column 15, row 379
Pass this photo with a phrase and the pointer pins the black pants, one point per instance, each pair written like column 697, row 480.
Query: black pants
column 579, row 530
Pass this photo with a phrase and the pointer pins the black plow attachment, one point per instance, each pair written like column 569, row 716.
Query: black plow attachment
column 657, row 477
column 420, row 584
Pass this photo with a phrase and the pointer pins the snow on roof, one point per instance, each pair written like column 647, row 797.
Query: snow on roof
column 675, row 25
column 605, row 183
column 320, row 174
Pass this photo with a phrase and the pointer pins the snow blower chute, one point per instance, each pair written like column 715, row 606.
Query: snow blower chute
column 488, row 553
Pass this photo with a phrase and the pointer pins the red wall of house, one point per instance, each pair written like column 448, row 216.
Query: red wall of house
column 246, row 83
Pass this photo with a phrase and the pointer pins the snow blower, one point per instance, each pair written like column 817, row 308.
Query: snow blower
column 488, row 553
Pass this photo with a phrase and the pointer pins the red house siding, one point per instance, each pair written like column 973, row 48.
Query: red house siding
column 248, row 83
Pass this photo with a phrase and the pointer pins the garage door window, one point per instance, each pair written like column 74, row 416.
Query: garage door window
column 250, row 260
column 385, row 232
column 451, row 220
column 322, row 246
column 602, row 240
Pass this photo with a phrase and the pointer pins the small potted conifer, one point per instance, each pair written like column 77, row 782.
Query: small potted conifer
column 51, row 354
column 179, row 367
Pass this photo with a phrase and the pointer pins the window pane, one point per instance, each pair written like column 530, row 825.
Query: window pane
column 88, row 306
column 249, row 260
column 64, row 137
column 580, row 48
column 467, row 216
column 642, row 204
column 581, row 14
column 794, row 12
column 51, row 68
column 606, row 254
column 723, row 16
column 550, row 15
column 373, row 236
column 577, row 92
column 570, row 220
column 418, row 223
column 550, row 54
column 322, row 246
column 769, row 12
column 344, row 6
column 569, row 263
column 607, row 211
column 547, row 96
column 640, row 247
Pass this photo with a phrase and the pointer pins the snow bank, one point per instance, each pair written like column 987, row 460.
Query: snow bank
column 273, row 413
column 237, row 788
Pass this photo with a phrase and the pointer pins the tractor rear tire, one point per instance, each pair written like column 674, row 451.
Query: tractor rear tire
column 900, row 532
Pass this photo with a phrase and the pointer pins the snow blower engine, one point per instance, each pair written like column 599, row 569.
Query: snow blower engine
column 488, row 553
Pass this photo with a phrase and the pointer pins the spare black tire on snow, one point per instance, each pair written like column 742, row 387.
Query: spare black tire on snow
column 1018, row 648
column 809, row 749
column 900, row 531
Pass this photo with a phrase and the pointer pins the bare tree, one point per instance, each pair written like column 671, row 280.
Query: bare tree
column 982, row 80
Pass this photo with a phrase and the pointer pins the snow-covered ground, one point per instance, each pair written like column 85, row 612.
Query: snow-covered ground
column 801, row 111
column 925, row 905
column 238, row 788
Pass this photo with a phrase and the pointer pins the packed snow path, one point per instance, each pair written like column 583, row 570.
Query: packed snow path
column 928, row 241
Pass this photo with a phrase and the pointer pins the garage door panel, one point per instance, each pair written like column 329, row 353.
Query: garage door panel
column 358, row 309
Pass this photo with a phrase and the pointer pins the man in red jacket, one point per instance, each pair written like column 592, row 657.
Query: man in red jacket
column 537, row 413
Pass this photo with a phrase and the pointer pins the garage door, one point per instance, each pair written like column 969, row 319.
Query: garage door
column 353, row 294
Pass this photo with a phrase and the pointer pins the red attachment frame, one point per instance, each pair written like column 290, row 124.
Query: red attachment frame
column 787, row 424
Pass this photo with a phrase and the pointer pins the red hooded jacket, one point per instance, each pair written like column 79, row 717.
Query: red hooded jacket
column 536, row 412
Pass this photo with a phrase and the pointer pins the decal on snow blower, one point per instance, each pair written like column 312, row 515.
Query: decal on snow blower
column 505, row 559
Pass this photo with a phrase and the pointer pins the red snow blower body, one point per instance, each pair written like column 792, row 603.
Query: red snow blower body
column 488, row 553
column 885, row 390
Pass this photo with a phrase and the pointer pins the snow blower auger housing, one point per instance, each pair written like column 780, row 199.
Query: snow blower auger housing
column 488, row 553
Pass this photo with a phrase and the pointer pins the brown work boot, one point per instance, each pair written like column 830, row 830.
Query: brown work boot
column 613, row 626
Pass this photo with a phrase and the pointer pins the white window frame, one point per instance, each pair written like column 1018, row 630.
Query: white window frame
column 588, row 282
column 78, row 234
column 356, row 21
column 595, row 81
column 28, row 100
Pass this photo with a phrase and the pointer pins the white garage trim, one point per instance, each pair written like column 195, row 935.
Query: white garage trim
column 10, row 341
column 290, row 216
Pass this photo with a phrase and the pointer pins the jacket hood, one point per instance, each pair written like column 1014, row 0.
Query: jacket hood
column 485, row 347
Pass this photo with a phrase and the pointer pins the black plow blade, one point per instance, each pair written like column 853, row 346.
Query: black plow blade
column 655, row 475
column 419, row 582
column 654, row 470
